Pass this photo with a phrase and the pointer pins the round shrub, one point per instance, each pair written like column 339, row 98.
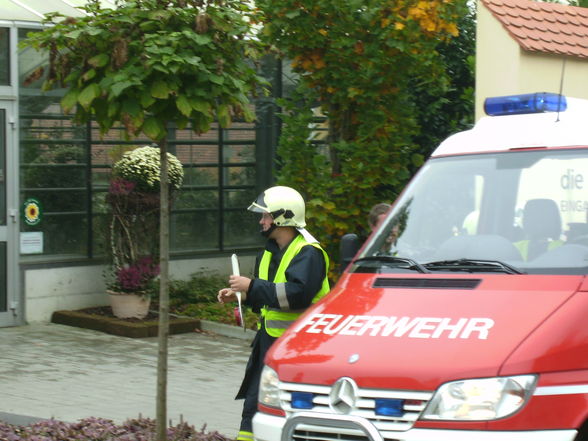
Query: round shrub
column 142, row 166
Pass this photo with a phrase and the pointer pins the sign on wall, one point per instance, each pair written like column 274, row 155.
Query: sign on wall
column 33, row 212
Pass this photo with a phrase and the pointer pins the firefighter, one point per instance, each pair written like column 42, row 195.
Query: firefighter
column 290, row 275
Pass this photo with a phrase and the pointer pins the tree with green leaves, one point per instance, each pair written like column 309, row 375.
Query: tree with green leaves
column 148, row 64
column 367, row 65
column 580, row 3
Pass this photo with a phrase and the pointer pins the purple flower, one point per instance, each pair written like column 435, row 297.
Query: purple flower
column 121, row 187
column 136, row 277
column 98, row 429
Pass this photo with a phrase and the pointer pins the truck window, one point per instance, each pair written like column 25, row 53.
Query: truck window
column 524, row 208
column 562, row 181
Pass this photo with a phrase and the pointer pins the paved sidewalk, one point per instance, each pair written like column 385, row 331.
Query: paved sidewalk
column 67, row 373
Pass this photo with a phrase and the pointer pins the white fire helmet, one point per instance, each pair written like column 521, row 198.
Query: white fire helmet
column 284, row 204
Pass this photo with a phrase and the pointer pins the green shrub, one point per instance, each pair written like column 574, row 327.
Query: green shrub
column 198, row 289
column 196, row 297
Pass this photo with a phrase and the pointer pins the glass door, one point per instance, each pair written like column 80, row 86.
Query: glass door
column 9, row 309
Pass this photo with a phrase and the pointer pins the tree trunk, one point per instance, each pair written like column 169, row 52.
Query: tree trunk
column 163, row 296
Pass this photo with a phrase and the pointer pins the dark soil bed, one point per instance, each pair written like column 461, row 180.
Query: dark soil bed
column 106, row 311
column 102, row 319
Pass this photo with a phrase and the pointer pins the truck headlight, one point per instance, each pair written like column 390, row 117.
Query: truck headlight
column 269, row 391
column 480, row 399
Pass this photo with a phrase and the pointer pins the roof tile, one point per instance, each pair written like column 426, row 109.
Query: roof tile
column 526, row 14
column 582, row 12
column 543, row 27
column 572, row 12
column 512, row 12
column 557, row 39
column 517, row 22
column 521, row 33
column 536, row 35
column 534, row 6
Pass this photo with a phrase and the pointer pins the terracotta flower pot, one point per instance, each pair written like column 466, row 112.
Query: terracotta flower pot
column 129, row 305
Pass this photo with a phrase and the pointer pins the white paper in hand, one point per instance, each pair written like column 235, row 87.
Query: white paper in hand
column 235, row 264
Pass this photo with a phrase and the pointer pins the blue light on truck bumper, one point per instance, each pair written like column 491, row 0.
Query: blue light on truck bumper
column 302, row 400
column 389, row 407
column 527, row 103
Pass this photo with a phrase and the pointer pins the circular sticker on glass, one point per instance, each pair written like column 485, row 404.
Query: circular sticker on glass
column 32, row 211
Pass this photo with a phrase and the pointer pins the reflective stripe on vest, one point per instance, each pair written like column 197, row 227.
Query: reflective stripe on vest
column 523, row 247
column 245, row 436
column 276, row 321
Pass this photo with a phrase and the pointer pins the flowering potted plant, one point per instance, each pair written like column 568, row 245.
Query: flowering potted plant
column 133, row 198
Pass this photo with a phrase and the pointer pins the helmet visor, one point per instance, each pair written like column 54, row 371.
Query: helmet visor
column 259, row 205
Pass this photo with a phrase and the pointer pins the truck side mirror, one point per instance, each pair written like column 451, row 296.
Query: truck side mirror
column 348, row 248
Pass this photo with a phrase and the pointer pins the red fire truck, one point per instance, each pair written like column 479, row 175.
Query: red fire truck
column 464, row 317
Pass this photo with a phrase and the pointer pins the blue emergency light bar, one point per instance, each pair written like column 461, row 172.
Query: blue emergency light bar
column 526, row 103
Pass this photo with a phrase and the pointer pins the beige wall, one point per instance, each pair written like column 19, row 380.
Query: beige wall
column 542, row 70
column 503, row 68
column 497, row 60
column 71, row 288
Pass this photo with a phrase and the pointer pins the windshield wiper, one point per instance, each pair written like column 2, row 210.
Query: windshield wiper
column 412, row 265
column 472, row 265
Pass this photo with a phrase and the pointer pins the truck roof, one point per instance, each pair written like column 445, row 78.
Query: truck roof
column 535, row 130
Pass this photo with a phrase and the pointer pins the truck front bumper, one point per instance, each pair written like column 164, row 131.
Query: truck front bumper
column 334, row 427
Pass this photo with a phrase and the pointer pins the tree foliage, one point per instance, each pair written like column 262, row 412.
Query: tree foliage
column 369, row 66
column 150, row 62
column 580, row 3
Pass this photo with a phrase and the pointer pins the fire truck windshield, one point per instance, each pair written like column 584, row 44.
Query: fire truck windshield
column 525, row 210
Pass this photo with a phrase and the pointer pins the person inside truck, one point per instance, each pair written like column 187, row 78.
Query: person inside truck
column 290, row 275
column 578, row 232
column 542, row 228
column 377, row 214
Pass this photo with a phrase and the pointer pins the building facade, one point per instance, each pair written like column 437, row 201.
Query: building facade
column 54, row 178
column 527, row 46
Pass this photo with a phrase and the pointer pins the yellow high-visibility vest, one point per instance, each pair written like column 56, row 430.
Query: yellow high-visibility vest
column 523, row 246
column 276, row 321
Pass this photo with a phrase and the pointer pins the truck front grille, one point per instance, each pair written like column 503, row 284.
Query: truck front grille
column 324, row 422
column 303, row 435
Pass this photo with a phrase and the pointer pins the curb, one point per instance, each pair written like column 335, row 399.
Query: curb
column 227, row 330
column 18, row 420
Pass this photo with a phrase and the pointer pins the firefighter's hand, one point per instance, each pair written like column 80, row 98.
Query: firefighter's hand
column 226, row 295
column 240, row 284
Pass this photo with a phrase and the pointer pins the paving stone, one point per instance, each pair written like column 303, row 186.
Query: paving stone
column 67, row 373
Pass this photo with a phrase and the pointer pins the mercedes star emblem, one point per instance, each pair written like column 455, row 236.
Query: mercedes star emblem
column 343, row 395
